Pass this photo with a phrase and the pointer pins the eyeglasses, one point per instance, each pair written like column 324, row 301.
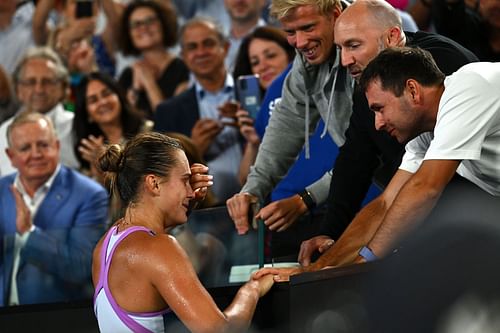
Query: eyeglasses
column 147, row 22
column 44, row 82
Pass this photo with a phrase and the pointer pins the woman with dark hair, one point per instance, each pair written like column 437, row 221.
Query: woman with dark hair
column 148, row 29
column 102, row 116
column 264, row 52
column 142, row 277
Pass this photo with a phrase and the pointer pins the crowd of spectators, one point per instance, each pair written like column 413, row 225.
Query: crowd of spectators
column 100, row 72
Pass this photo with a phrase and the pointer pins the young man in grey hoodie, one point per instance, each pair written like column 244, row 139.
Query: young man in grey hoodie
column 317, row 87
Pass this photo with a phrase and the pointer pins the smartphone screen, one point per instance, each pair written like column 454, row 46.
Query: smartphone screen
column 248, row 94
column 83, row 8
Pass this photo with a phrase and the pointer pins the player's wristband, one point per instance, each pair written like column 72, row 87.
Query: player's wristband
column 367, row 254
column 307, row 199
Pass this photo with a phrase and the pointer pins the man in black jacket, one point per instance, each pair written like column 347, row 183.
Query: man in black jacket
column 362, row 31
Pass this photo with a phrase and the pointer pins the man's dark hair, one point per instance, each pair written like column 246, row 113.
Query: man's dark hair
column 395, row 65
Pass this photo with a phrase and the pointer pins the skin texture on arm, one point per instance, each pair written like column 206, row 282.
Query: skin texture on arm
column 362, row 228
column 358, row 234
column 413, row 203
column 171, row 280
column 40, row 29
column 365, row 151
column 113, row 11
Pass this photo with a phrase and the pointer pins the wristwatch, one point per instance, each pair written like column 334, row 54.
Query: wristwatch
column 307, row 199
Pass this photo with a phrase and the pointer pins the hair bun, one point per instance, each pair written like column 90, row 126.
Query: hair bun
column 111, row 159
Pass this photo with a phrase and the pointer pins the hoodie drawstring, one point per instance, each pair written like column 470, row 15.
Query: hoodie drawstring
column 330, row 107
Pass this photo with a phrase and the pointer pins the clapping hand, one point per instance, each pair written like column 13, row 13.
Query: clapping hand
column 90, row 149
column 23, row 215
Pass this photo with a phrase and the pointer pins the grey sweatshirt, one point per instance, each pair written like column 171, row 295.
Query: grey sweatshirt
column 307, row 96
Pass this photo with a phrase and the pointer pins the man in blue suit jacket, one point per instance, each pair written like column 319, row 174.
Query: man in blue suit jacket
column 50, row 219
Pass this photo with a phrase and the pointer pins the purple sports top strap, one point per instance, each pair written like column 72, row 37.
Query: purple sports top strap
column 103, row 279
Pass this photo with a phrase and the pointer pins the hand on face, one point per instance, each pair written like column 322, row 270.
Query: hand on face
column 200, row 181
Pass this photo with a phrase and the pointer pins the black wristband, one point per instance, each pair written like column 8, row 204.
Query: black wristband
column 307, row 199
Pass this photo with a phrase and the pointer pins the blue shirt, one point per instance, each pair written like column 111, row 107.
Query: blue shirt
column 226, row 150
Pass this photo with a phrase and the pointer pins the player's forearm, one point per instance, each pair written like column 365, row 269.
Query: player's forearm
column 240, row 312
column 358, row 234
column 413, row 204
